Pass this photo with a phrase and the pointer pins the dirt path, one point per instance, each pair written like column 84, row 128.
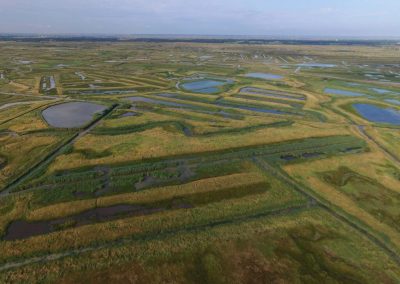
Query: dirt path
column 363, row 132
column 389, row 154
column 20, row 103
column 44, row 103
column 33, row 96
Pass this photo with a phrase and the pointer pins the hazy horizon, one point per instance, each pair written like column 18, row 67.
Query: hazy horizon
column 286, row 18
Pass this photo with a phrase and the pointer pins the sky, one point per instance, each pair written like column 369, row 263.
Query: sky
column 295, row 18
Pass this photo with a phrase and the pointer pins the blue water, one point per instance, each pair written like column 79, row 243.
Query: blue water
column 208, row 90
column 203, row 86
column 342, row 92
column 393, row 101
column 377, row 114
column 318, row 65
column 265, row 76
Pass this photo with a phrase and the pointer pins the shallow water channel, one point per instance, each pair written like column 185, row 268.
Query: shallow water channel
column 22, row 229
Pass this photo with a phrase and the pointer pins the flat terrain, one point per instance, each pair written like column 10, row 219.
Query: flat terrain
column 167, row 162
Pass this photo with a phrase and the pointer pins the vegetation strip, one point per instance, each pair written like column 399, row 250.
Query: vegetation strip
column 157, row 235
column 325, row 205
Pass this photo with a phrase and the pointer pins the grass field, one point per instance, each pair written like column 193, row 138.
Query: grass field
column 176, row 167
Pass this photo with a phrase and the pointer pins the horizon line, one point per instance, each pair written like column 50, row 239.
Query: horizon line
column 200, row 36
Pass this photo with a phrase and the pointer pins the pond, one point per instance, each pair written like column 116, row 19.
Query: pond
column 209, row 90
column 342, row 92
column 378, row 114
column 22, row 229
column 265, row 76
column 206, row 86
column 71, row 115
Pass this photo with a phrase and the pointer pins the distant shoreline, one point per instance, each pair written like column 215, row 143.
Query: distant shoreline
column 194, row 39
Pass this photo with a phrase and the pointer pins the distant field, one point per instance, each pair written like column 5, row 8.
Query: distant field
column 199, row 162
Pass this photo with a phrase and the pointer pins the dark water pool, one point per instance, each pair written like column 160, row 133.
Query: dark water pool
column 71, row 115
column 378, row 114
column 22, row 229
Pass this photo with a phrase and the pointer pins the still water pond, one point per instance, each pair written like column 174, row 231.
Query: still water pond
column 378, row 114
column 203, row 86
column 71, row 115
column 342, row 92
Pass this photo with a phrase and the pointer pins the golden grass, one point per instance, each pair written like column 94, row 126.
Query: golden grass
column 19, row 87
column 202, row 123
column 178, row 254
column 22, row 151
column 276, row 196
column 157, row 142
column 389, row 138
column 269, row 104
column 19, row 208
column 29, row 121
column 372, row 165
